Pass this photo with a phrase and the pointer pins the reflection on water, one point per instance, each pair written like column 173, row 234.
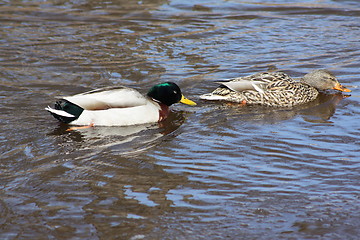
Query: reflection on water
column 323, row 108
column 129, row 140
column 318, row 111
column 215, row 171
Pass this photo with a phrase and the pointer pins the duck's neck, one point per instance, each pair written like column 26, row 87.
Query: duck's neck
column 302, row 80
column 163, row 112
column 306, row 81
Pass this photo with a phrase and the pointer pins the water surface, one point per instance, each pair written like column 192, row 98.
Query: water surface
column 214, row 171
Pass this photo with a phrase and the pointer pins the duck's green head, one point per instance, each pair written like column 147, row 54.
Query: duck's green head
column 168, row 93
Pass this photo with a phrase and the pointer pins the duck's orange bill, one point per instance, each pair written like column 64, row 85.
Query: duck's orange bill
column 340, row 87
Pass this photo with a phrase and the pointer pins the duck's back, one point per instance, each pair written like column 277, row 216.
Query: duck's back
column 108, row 97
column 275, row 89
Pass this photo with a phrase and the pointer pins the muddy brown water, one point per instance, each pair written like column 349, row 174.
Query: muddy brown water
column 214, row 171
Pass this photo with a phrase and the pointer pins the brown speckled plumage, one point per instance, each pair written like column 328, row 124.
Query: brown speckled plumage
column 273, row 89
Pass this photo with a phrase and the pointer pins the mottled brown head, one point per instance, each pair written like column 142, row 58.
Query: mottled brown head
column 323, row 80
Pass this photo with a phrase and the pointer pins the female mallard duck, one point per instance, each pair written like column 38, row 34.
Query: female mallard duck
column 118, row 106
column 275, row 89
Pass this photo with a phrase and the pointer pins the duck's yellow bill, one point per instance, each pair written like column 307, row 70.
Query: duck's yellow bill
column 184, row 100
column 340, row 87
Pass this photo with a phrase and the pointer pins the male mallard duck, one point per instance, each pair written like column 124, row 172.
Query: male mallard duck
column 275, row 89
column 118, row 106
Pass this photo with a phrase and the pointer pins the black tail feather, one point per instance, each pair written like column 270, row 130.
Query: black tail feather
column 68, row 107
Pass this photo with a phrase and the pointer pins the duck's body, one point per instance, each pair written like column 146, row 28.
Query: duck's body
column 118, row 106
column 275, row 89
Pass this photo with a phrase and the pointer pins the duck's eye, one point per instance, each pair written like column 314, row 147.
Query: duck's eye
column 175, row 92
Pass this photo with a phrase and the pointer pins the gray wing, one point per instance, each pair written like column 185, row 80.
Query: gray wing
column 110, row 97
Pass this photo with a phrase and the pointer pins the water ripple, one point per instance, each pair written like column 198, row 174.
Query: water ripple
column 214, row 171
